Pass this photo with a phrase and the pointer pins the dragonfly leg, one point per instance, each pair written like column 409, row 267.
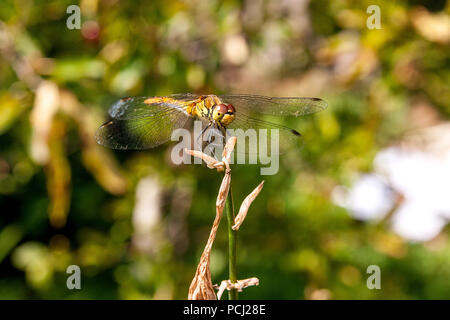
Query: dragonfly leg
column 209, row 136
column 200, row 136
column 225, row 132
column 210, row 143
column 217, row 143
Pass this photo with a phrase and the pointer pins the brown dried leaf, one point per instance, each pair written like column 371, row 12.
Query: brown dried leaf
column 245, row 206
column 201, row 287
column 223, row 191
column 210, row 161
column 239, row 285
column 229, row 147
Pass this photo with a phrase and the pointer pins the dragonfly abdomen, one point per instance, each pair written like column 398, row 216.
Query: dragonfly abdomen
column 182, row 106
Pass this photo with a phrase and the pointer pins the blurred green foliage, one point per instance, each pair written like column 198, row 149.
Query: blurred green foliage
column 64, row 200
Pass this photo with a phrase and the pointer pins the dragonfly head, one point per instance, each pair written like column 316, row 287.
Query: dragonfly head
column 223, row 114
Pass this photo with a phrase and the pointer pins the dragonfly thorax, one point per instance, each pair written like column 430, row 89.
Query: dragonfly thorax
column 223, row 114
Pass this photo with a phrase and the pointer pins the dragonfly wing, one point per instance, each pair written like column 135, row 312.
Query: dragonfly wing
column 256, row 134
column 276, row 106
column 136, row 125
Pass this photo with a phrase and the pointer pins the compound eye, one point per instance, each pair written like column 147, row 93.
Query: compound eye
column 231, row 109
column 221, row 109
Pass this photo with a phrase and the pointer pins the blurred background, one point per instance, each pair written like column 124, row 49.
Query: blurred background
column 369, row 187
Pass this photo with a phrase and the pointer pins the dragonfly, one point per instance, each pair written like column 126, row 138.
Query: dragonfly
column 138, row 123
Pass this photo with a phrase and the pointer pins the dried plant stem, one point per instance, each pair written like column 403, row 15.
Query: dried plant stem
column 201, row 286
column 232, row 245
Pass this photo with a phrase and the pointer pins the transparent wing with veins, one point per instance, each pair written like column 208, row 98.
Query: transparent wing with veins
column 136, row 125
column 251, row 108
column 275, row 138
column 275, row 106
